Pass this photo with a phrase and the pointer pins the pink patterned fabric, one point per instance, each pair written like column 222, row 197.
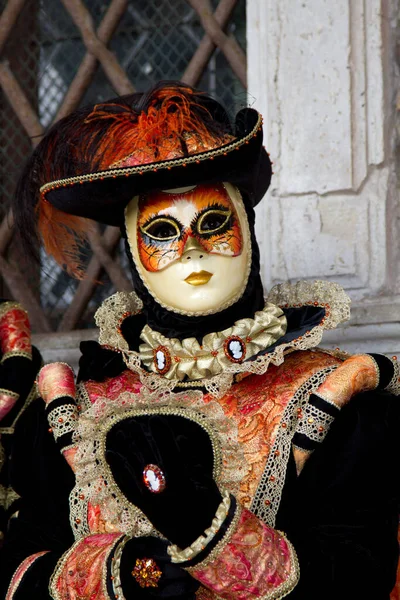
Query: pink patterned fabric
column 20, row 572
column 56, row 380
column 81, row 573
column 7, row 401
column 111, row 388
column 257, row 562
column 15, row 332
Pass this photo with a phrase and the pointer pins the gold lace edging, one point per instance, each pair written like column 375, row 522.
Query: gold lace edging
column 188, row 358
column 94, row 480
column 110, row 315
column 394, row 384
column 266, row 500
column 324, row 294
column 179, row 556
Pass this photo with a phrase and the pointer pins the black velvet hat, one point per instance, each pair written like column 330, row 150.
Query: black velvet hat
column 92, row 163
column 102, row 194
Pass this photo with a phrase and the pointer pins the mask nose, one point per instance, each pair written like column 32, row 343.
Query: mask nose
column 192, row 250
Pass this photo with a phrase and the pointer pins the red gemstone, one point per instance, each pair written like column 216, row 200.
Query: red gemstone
column 154, row 479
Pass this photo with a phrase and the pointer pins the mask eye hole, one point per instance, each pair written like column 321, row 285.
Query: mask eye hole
column 161, row 229
column 213, row 221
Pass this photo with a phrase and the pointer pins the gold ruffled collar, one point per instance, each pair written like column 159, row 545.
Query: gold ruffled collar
column 254, row 336
column 180, row 359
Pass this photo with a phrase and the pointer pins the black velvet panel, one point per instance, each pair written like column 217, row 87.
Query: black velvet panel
column 44, row 480
column 341, row 513
column 174, row 581
column 35, row 583
column 18, row 374
column 183, row 451
column 98, row 363
column 386, row 369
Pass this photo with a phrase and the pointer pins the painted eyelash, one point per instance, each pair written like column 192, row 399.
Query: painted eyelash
column 158, row 216
column 210, row 206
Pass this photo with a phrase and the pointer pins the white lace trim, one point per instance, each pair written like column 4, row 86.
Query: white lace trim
column 394, row 384
column 62, row 419
column 315, row 423
column 267, row 498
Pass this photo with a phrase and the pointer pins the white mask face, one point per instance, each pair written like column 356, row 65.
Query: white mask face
column 191, row 246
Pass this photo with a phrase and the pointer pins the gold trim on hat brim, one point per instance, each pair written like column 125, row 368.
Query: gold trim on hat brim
column 154, row 166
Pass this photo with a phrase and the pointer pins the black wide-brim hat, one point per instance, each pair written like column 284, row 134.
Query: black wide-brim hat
column 104, row 194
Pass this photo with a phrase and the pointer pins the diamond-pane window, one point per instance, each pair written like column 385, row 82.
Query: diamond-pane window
column 48, row 58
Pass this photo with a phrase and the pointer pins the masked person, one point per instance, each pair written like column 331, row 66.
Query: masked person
column 212, row 451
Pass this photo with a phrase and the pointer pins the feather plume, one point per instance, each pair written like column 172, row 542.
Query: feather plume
column 170, row 120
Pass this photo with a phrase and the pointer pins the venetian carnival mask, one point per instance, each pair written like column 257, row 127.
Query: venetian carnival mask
column 191, row 246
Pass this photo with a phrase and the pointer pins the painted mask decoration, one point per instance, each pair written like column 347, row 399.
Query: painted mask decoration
column 191, row 246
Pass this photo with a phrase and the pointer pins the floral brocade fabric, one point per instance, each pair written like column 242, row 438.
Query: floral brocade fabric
column 255, row 404
column 82, row 571
column 15, row 331
column 256, row 562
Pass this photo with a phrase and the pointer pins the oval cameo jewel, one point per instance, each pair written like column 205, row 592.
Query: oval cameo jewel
column 162, row 359
column 154, row 479
column 235, row 349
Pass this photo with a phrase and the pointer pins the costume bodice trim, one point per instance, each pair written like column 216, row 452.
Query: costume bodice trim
column 329, row 297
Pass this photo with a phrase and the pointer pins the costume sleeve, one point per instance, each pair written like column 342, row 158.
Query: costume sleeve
column 39, row 532
column 341, row 513
column 241, row 558
column 252, row 561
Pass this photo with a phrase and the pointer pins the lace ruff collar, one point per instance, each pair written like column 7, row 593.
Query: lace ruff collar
column 221, row 355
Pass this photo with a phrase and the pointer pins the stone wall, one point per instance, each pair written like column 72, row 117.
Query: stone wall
column 324, row 75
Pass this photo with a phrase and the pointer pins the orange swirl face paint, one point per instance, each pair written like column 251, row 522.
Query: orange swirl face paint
column 168, row 222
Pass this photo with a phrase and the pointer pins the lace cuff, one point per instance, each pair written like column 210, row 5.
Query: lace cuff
column 20, row 572
column 315, row 420
column 251, row 561
column 56, row 385
column 389, row 371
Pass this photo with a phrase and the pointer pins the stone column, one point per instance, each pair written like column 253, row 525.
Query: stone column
column 322, row 74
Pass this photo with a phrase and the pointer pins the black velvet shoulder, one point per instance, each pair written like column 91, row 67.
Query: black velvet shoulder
column 341, row 513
